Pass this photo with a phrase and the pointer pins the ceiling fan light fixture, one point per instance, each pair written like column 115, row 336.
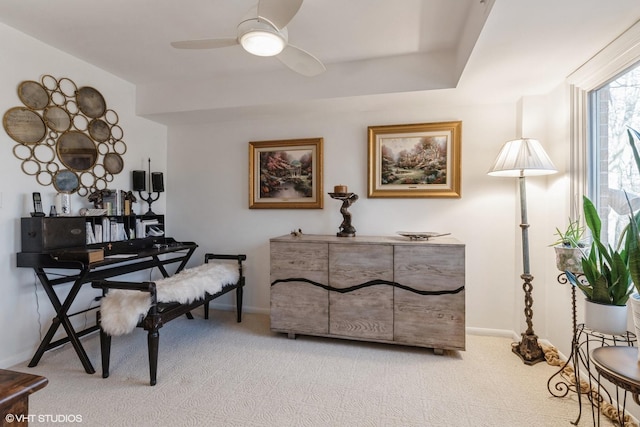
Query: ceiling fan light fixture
column 263, row 32
column 262, row 43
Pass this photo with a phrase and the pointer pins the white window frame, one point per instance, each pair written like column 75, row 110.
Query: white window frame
column 616, row 57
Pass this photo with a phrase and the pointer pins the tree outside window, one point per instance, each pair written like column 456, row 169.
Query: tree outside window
column 615, row 108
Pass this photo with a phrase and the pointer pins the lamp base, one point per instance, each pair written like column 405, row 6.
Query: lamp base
column 528, row 349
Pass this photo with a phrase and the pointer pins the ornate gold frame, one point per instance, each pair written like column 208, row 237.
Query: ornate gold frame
column 261, row 184
column 405, row 138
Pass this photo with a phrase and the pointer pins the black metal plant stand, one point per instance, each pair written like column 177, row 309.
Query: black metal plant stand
column 563, row 381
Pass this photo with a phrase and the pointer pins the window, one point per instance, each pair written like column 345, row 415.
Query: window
column 614, row 107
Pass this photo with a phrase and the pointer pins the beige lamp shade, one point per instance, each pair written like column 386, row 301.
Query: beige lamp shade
column 522, row 157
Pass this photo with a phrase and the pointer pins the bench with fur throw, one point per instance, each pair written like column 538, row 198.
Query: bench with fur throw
column 149, row 305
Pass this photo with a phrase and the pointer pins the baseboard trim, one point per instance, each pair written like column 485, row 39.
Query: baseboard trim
column 503, row 333
column 245, row 309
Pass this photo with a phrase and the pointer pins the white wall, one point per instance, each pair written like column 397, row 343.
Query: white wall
column 208, row 170
column 555, row 301
column 206, row 166
column 25, row 310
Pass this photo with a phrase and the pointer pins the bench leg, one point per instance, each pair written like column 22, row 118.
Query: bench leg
column 189, row 315
column 206, row 310
column 153, row 340
column 105, row 350
column 239, row 302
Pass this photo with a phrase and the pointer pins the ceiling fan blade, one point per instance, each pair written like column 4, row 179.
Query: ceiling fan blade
column 278, row 12
column 300, row 61
column 205, row 43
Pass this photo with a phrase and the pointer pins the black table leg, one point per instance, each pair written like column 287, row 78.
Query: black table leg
column 239, row 293
column 45, row 342
column 62, row 319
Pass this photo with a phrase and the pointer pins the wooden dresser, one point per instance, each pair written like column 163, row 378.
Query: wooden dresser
column 385, row 289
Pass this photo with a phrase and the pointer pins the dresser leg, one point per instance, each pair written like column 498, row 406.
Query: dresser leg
column 291, row 336
column 438, row 351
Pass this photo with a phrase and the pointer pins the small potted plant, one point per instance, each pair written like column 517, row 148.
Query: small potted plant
column 570, row 247
column 607, row 280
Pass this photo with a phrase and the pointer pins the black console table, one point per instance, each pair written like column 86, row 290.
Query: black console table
column 119, row 258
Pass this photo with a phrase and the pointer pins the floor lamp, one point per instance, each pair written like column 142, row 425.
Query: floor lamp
column 521, row 158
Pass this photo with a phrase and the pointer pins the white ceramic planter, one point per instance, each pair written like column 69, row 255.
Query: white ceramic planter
column 605, row 318
column 634, row 301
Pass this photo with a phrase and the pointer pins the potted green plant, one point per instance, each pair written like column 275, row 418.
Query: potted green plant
column 607, row 279
column 570, row 247
column 632, row 244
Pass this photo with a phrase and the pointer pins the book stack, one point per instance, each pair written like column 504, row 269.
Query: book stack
column 107, row 230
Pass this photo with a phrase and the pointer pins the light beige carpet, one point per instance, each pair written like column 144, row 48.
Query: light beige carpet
column 217, row 372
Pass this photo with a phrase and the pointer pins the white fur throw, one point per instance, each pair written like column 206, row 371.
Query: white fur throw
column 121, row 310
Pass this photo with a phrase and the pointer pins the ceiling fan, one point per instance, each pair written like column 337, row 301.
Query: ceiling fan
column 263, row 32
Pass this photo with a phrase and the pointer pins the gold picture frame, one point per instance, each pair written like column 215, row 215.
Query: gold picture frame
column 415, row 160
column 286, row 174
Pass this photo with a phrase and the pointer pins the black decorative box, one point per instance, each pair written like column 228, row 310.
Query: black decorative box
column 42, row 234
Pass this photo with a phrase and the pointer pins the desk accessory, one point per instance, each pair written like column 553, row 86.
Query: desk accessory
column 63, row 204
column 156, row 185
column 84, row 255
column 37, row 205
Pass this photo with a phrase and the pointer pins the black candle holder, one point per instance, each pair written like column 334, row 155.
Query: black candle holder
column 156, row 185
column 149, row 199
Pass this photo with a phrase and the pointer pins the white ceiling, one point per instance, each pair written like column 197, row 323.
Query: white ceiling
column 370, row 47
column 131, row 38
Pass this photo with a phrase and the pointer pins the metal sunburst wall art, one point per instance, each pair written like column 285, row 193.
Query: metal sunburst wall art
column 66, row 136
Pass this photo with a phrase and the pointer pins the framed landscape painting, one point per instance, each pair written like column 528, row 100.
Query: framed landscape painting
column 416, row 160
column 285, row 174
